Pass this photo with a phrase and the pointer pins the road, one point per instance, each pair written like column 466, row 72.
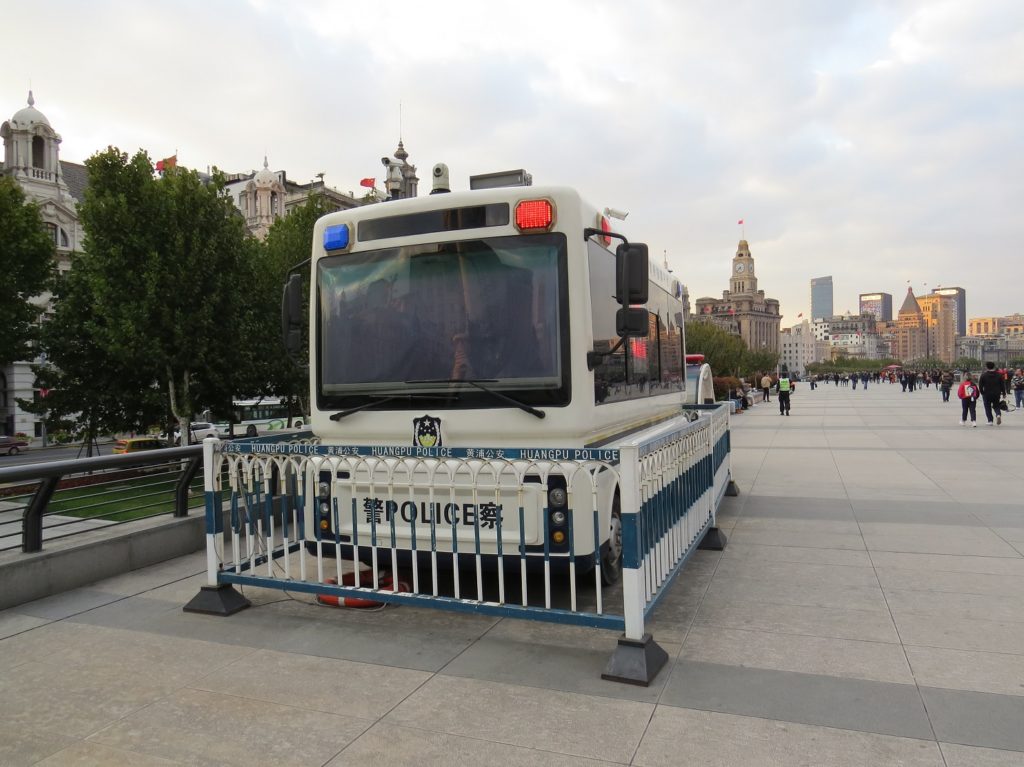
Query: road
column 52, row 453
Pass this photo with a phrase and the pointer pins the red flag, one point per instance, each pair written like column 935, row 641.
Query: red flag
column 167, row 162
column 740, row 222
column 370, row 182
column 732, row 311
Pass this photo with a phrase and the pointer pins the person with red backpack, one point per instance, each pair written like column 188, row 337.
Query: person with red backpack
column 968, row 394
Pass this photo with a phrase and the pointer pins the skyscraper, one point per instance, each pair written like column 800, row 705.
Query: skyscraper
column 821, row 297
column 878, row 304
column 961, row 306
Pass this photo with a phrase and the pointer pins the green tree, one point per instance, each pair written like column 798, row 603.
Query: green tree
column 927, row 363
column 27, row 265
column 167, row 260
column 722, row 350
column 758, row 362
column 89, row 393
column 968, row 363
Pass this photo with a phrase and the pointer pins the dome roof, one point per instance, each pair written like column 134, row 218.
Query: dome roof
column 29, row 116
column 265, row 177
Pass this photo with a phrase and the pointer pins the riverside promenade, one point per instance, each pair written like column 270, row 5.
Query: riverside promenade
column 868, row 610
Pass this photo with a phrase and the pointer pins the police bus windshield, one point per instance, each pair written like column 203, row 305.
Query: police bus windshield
column 492, row 309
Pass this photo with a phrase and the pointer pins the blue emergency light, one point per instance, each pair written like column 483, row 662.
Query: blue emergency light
column 336, row 237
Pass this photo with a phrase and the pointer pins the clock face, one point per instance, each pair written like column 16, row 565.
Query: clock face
column 740, row 267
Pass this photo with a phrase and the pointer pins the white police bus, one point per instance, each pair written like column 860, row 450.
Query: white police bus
column 506, row 317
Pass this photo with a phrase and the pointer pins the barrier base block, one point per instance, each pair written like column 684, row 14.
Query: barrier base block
column 731, row 490
column 714, row 540
column 635, row 661
column 221, row 599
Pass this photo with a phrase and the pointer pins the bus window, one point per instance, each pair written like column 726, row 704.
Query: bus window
column 475, row 309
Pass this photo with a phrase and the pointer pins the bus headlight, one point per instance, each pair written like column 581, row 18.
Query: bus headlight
column 325, row 489
column 558, row 537
column 558, row 518
column 325, row 509
column 557, row 497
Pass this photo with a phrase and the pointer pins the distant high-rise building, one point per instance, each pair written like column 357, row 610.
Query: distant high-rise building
column 821, row 297
column 878, row 304
column 961, row 306
column 939, row 313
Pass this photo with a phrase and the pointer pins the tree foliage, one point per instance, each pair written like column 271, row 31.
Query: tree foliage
column 167, row 272
column 850, row 365
column 726, row 353
column 26, row 265
column 89, row 393
column 968, row 363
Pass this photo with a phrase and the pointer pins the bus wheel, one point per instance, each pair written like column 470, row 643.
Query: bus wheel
column 611, row 553
column 250, row 430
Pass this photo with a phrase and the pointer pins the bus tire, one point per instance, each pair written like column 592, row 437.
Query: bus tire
column 250, row 430
column 611, row 553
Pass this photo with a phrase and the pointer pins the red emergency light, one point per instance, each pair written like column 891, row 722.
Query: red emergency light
column 534, row 215
column 605, row 226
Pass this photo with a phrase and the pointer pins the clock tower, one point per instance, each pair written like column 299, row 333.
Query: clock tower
column 743, row 280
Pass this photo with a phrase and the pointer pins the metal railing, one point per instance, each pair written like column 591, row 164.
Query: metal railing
column 467, row 529
column 45, row 502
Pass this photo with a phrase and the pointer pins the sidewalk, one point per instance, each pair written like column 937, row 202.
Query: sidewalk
column 868, row 610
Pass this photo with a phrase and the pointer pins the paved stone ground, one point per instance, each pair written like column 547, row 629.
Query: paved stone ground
column 869, row 610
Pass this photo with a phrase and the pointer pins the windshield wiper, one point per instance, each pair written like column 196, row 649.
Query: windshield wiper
column 380, row 400
column 478, row 383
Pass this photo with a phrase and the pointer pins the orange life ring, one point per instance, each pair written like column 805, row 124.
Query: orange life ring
column 348, row 579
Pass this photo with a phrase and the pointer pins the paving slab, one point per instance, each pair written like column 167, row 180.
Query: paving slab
column 976, row 718
column 602, row 728
column 681, row 736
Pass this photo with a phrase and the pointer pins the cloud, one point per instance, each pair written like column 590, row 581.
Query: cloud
column 878, row 142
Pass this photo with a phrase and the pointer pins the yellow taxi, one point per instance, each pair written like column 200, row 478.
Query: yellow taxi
column 137, row 445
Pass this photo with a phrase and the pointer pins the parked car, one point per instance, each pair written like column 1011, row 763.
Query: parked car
column 12, row 445
column 137, row 445
column 200, row 431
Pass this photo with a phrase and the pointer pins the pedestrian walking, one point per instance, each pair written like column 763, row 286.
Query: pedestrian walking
column 990, row 383
column 784, row 387
column 864, row 377
column 1017, row 384
column 766, row 386
column 968, row 394
column 945, row 384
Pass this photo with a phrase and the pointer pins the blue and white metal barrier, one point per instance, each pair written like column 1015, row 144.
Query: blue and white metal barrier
column 470, row 529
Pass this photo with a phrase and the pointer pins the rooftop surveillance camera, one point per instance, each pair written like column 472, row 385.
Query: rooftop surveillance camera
column 441, row 183
column 385, row 161
column 614, row 213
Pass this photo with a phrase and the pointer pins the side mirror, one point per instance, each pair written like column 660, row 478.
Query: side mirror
column 632, row 322
column 631, row 274
column 292, row 315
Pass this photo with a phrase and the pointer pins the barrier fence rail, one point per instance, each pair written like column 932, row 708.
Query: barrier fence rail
column 46, row 502
column 530, row 533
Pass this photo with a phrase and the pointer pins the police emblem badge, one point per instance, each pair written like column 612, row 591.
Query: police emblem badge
column 426, row 431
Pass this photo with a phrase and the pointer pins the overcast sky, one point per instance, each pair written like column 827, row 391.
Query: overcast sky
column 879, row 142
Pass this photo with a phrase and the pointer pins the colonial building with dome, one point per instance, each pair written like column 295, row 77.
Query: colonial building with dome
column 266, row 195
column 32, row 159
column 743, row 309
